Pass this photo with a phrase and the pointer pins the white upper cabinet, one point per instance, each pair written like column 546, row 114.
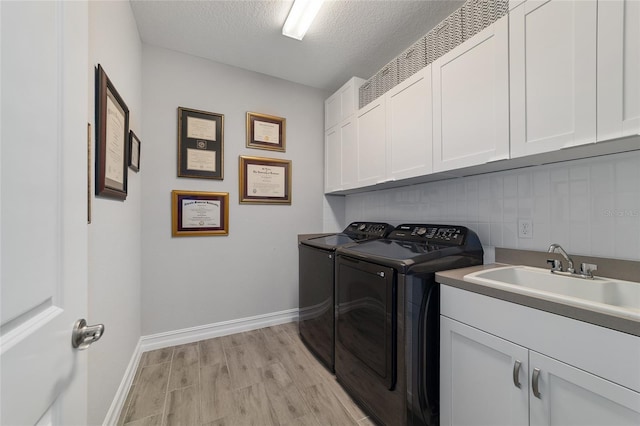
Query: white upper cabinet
column 409, row 127
column 342, row 103
column 553, row 75
column 618, row 68
column 332, row 160
column 471, row 101
column 371, row 141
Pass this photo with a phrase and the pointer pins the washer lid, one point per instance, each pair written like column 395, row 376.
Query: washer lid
column 331, row 242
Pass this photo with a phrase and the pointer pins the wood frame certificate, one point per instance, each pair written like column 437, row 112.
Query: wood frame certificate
column 265, row 180
column 200, row 144
column 196, row 213
column 266, row 132
column 112, row 139
column 134, row 152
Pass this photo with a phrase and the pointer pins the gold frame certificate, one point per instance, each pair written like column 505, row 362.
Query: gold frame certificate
column 196, row 213
column 266, row 132
column 200, row 144
column 265, row 180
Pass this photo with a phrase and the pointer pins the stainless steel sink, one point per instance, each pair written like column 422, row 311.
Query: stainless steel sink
column 605, row 295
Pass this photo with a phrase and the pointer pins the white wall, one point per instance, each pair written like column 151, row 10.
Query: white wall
column 192, row 281
column 590, row 207
column 114, row 234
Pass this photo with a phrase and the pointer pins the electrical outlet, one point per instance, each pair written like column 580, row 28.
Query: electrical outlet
column 525, row 228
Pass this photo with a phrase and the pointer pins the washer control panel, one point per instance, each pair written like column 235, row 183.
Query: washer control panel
column 432, row 234
column 368, row 229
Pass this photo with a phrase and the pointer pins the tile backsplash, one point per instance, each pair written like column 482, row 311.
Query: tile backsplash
column 590, row 206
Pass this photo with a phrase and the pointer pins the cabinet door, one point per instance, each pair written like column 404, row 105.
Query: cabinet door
column 477, row 378
column 618, row 68
column 471, row 101
column 372, row 143
column 409, row 127
column 332, row 160
column 553, row 75
column 570, row 396
column 332, row 111
column 349, row 150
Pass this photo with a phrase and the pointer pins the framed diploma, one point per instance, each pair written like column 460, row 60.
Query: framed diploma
column 200, row 144
column 265, row 180
column 266, row 132
column 196, row 213
column 112, row 137
column 134, row 152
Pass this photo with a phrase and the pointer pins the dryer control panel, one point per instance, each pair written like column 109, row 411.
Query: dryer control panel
column 368, row 229
column 430, row 234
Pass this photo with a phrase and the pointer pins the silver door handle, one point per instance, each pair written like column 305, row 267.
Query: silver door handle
column 84, row 335
column 516, row 373
column 535, row 378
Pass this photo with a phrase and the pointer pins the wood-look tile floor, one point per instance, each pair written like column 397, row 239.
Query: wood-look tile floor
column 259, row 377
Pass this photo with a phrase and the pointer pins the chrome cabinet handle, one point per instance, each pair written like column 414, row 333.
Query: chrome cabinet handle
column 84, row 335
column 516, row 373
column 535, row 382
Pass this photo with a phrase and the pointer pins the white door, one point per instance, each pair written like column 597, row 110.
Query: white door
column 552, row 57
column 44, row 91
column 349, row 153
column 372, row 143
column 483, row 378
column 409, row 127
column 332, row 160
column 618, row 68
column 471, row 101
column 565, row 395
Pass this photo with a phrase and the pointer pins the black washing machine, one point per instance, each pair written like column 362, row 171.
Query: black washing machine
column 316, row 285
column 387, row 318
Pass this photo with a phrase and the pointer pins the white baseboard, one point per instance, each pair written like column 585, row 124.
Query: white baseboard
column 121, row 394
column 189, row 335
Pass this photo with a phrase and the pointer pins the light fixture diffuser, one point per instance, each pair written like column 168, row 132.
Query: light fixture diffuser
column 300, row 17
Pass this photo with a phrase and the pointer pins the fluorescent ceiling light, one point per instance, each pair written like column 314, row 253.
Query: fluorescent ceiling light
column 300, row 17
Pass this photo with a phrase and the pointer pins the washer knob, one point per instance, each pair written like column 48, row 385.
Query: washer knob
column 362, row 227
column 421, row 231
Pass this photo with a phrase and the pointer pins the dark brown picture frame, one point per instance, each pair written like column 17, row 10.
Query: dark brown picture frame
column 199, row 206
column 200, row 144
column 268, row 122
column 112, row 117
column 134, row 152
column 264, row 180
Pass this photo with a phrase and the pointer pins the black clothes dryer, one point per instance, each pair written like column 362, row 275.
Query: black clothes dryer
column 387, row 318
column 317, row 283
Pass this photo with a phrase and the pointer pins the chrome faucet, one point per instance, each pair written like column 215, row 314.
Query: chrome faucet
column 586, row 269
column 557, row 248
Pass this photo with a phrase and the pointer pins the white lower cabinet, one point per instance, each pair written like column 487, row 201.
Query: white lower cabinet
column 478, row 378
column 570, row 396
column 486, row 379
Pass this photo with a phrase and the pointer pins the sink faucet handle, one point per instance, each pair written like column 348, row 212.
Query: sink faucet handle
column 556, row 265
column 587, row 269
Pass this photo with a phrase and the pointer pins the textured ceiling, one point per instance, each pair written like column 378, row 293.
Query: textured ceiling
column 348, row 37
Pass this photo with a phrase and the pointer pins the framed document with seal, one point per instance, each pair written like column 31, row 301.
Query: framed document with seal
column 200, row 144
column 266, row 132
column 112, row 139
column 195, row 213
column 265, row 180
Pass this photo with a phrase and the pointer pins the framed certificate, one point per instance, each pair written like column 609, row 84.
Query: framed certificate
column 265, row 180
column 112, row 139
column 196, row 213
column 266, row 132
column 200, row 144
column 134, row 152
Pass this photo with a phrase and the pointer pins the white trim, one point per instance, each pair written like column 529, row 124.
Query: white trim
column 121, row 394
column 208, row 331
column 189, row 335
